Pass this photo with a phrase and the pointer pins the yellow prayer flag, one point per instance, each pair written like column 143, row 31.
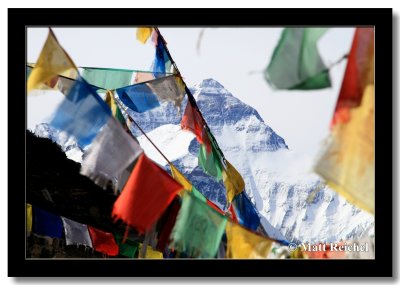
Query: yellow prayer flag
column 143, row 34
column 242, row 243
column 110, row 101
column 53, row 60
column 233, row 181
column 28, row 218
column 348, row 164
column 151, row 253
column 178, row 176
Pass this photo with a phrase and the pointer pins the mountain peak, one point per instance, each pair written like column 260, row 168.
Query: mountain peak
column 209, row 82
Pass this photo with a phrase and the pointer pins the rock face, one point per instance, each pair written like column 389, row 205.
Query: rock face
column 296, row 207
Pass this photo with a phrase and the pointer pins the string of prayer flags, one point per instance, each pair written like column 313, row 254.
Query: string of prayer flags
column 193, row 122
column 143, row 34
column 296, row 63
column 151, row 253
column 245, row 212
column 347, row 162
column 233, row 181
column 243, row 244
column 359, row 73
column 53, row 60
column 107, row 78
column 103, row 242
column 111, row 152
column 82, row 113
column 28, row 219
column 198, row 229
column 147, row 193
column 116, row 112
column 76, row 233
column 162, row 62
column 47, row 224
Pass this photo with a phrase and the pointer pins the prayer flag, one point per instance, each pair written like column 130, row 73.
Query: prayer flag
column 233, row 181
column 108, row 78
column 141, row 76
column 76, row 233
column 139, row 97
column 166, row 223
column 112, row 151
column 359, row 73
column 143, row 34
column 128, row 249
column 116, row 112
column 198, row 229
column 242, row 243
column 82, row 113
column 347, row 163
column 168, row 88
column 210, row 162
column 162, row 62
column 151, row 253
column 296, row 63
column 192, row 121
column 103, row 242
column 147, row 193
column 245, row 212
column 53, row 60
column 47, row 224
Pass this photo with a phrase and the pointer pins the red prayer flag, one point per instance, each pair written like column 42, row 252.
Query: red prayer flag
column 359, row 73
column 147, row 193
column 103, row 242
column 192, row 121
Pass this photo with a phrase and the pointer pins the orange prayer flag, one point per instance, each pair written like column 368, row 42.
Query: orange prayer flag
column 147, row 193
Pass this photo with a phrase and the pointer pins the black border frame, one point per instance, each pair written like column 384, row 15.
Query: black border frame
column 381, row 19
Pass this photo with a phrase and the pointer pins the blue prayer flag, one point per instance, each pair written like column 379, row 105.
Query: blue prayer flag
column 246, row 213
column 82, row 113
column 139, row 97
column 162, row 62
column 47, row 224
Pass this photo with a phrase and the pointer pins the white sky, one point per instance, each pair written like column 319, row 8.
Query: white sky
column 227, row 55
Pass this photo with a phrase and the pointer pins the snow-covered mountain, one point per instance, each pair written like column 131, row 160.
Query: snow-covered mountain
column 294, row 206
column 299, row 207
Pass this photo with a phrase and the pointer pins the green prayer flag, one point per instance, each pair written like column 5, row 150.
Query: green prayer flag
column 106, row 78
column 296, row 63
column 128, row 248
column 198, row 228
column 210, row 161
